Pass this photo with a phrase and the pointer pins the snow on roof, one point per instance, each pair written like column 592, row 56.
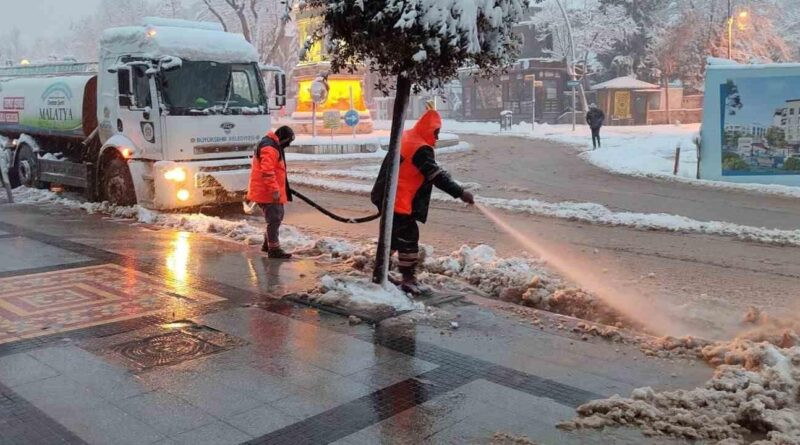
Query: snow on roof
column 187, row 43
column 625, row 83
column 178, row 23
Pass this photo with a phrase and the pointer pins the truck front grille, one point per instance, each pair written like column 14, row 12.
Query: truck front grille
column 212, row 149
column 224, row 168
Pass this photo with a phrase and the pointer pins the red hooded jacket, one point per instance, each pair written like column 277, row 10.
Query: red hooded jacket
column 268, row 173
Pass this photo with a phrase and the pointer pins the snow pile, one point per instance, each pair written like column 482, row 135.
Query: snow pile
column 360, row 296
column 242, row 230
column 755, row 391
column 481, row 267
column 25, row 195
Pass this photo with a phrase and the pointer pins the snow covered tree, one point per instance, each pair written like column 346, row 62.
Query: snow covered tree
column 595, row 29
column 647, row 17
column 700, row 29
column 579, row 31
column 421, row 43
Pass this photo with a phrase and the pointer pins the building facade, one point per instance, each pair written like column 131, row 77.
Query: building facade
column 534, row 76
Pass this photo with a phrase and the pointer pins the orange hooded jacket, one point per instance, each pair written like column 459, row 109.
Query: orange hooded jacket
column 268, row 173
column 411, row 178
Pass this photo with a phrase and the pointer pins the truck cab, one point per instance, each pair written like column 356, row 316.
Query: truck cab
column 184, row 103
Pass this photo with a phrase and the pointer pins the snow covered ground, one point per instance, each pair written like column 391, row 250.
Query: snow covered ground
column 646, row 151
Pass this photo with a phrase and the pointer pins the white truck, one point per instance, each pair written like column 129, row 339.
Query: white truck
column 167, row 118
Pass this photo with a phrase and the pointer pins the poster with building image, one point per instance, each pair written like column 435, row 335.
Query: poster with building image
column 760, row 119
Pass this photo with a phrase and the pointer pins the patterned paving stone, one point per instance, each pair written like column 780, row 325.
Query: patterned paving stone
column 51, row 302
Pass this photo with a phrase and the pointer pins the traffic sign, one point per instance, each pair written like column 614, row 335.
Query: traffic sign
column 331, row 119
column 351, row 118
column 573, row 83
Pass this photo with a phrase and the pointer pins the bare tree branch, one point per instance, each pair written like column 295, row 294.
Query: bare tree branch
column 238, row 8
column 216, row 14
column 253, row 9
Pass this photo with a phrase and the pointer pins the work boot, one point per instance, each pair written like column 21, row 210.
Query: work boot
column 265, row 247
column 278, row 254
column 412, row 286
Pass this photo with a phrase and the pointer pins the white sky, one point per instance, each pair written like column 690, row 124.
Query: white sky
column 45, row 18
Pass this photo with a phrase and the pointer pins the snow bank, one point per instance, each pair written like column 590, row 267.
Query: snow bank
column 599, row 214
column 753, row 393
column 242, row 231
column 735, row 403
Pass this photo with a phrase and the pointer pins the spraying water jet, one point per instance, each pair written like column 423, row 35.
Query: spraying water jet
column 634, row 307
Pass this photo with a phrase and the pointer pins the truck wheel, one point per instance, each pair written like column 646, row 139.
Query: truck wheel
column 117, row 186
column 26, row 168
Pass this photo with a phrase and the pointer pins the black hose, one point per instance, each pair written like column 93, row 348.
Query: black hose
column 333, row 216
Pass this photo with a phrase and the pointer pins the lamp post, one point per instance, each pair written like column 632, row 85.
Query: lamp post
column 742, row 16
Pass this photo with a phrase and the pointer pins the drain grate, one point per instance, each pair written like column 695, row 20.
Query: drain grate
column 175, row 347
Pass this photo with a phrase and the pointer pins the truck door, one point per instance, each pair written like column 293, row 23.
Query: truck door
column 139, row 117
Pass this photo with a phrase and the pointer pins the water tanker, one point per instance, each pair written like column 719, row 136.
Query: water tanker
column 167, row 117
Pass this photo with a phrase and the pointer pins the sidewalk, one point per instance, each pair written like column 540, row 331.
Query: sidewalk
column 118, row 333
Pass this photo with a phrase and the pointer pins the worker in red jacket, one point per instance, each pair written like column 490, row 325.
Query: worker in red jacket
column 269, row 186
column 419, row 173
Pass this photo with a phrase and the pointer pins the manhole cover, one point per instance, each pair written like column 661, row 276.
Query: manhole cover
column 169, row 349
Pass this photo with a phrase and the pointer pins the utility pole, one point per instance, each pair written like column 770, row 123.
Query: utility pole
column 730, row 30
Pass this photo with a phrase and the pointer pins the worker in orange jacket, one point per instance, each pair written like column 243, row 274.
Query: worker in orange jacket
column 419, row 173
column 269, row 186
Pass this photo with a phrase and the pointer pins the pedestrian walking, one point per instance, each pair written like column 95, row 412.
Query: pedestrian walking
column 269, row 186
column 595, row 118
column 419, row 173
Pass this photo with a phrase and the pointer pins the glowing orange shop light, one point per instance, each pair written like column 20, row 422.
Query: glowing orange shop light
column 126, row 152
column 338, row 95
column 151, row 32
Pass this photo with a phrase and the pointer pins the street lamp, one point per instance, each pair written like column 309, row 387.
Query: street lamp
column 742, row 16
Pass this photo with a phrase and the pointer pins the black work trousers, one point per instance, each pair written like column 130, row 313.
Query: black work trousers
column 273, row 214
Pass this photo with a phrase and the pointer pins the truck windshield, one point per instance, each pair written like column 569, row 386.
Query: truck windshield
column 213, row 88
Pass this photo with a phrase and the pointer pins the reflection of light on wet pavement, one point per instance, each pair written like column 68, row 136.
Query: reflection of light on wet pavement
column 177, row 263
column 178, row 257
column 176, row 325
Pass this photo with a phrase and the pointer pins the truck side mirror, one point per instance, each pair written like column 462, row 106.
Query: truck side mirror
column 124, row 87
column 280, row 84
column 280, row 90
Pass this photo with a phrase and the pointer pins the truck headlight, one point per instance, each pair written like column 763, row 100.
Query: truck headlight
column 177, row 174
column 183, row 195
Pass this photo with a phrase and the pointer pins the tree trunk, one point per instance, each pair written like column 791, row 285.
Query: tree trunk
column 384, row 252
column 245, row 28
column 666, row 93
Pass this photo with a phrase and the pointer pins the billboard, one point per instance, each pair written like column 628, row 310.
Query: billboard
column 751, row 123
column 760, row 132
